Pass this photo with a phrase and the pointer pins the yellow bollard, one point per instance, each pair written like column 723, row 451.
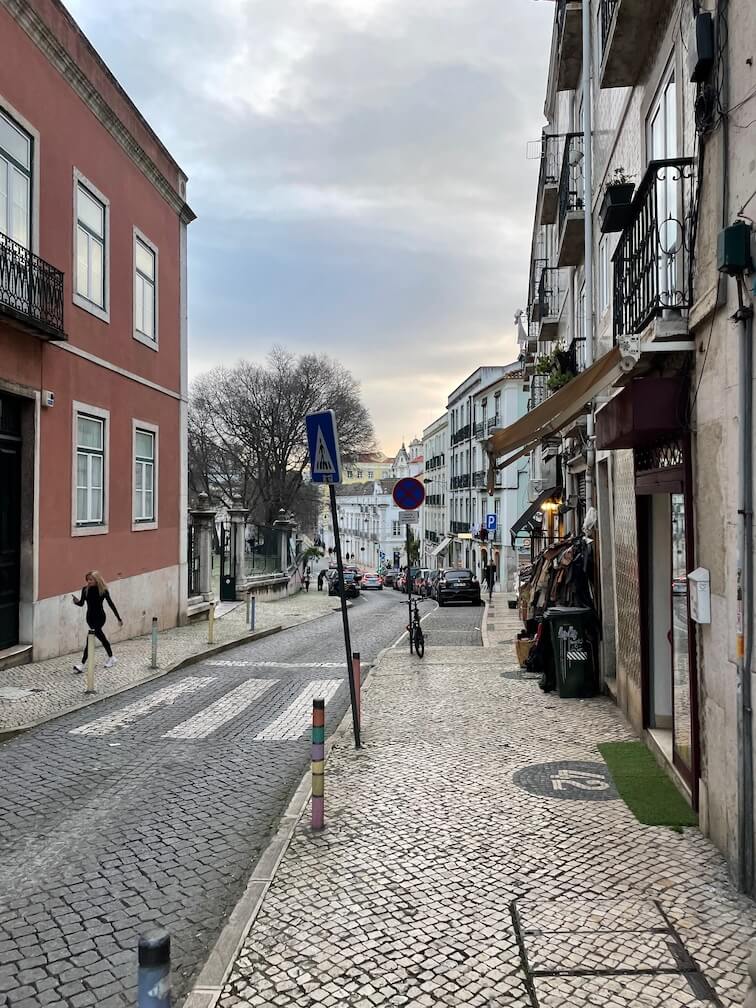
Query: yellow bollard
column 90, row 662
column 211, row 624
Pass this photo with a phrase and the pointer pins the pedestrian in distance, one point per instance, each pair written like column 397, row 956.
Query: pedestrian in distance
column 306, row 579
column 321, row 579
column 490, row 579
column 94, row 595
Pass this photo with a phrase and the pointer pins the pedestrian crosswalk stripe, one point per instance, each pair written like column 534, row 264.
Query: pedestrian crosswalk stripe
column 293, row 722
column 162, row 697
column 219, row 713
column 240, row 663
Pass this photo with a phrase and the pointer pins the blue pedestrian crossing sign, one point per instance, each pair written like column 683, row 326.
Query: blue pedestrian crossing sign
column 323, row 445
column 491, row 522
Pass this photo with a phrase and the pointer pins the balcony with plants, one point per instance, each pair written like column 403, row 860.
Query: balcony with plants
column 652, row 263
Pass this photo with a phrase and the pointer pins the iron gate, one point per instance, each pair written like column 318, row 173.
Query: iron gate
column 227, row 544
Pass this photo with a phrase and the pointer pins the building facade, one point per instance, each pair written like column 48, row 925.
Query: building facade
column 371, row 533
column 434, row 513
column 93, row 342
column 637, row 338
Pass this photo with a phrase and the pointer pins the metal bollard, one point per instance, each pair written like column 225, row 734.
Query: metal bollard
column 211, row 624
column 317, row 764
column 252, row 611
column 357, row 676
column 153, row 662
column 154, row 982
column 90, row 687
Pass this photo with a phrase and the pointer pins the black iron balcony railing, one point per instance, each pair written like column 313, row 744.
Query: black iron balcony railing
column 652, row 262
column 537, row 268
column 435, row 500
column 479, row 478
column 550, row 293
column 539, row 390
column 606, row 16
column 31, row 290
column 459, row 526
column 463, row 434
column 478, row 430
column 571, row 180
column 460, row 482
column 493, row 423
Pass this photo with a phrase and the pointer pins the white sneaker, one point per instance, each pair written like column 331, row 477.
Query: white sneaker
column 111, row 661
column 78, row 668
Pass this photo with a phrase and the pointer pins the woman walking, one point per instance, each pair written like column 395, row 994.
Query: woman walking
column 94, row 595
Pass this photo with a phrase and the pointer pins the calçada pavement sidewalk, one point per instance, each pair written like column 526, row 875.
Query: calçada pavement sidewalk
column 457, row 869
column 34, row 693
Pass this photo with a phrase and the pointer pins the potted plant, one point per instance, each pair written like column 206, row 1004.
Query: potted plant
column 614, row 214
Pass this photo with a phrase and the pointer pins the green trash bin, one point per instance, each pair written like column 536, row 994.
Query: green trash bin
column 572, row 639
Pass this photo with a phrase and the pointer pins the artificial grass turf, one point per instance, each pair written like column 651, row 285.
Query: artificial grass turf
column 645, row 788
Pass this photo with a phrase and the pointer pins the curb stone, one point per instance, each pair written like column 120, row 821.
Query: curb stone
column 214, row 974
column 8, row 733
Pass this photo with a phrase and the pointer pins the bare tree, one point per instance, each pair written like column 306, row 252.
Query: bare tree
column 247, row 430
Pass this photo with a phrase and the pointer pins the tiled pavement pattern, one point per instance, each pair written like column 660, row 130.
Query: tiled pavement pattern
column 110, row 831
column 49, row 687
column 411, row 895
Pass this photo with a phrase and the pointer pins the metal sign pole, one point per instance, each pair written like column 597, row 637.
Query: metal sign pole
column 345, row 617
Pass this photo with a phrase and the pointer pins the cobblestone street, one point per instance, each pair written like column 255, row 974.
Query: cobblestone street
column 462, row 864
column 33, row 693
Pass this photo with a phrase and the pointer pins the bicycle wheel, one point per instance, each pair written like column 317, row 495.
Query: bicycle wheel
column 419, row 641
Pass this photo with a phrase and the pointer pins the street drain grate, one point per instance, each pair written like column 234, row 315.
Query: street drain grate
column 610, row 952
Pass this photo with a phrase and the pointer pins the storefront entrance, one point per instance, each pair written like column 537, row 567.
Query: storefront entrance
column 10, row 518
column 667, row 634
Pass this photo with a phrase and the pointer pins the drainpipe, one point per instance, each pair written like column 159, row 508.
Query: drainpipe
column 588, row 200
column 744, row 559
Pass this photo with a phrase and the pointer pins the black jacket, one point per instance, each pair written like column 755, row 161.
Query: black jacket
column 95, row 604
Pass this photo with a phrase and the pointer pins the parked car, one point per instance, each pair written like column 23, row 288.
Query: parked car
column 389, row 578
column 351, row 585
column 457, row 585
column 372, row 581
column 401, row 578
column 419, row 583
column 414, row 571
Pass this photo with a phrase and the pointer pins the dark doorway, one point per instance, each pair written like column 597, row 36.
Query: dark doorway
column 10, row 518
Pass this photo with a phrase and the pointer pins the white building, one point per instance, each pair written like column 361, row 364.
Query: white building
column 434, row 528
column 490, row 398
column 371, row 534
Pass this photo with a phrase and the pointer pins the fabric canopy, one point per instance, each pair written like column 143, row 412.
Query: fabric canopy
column 444, row 544
column 525, row 520
column 555, row 413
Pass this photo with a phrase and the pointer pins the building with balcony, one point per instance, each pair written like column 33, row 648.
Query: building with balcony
column 640, row 387
column 93, row 343
column 434, row 515
column 371, row 533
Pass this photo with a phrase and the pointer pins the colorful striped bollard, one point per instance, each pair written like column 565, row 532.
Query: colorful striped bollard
column 317, row 764
column 357, row 676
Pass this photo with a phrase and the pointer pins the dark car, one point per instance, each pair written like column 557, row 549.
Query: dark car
column 389, row 578
column 413, row 573
column 351, row 585
column 457, row 585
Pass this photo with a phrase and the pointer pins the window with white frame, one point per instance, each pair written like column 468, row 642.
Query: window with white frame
column 603, row 276
column 396, row 528
column 91, row 246
column 144, row 475
column 15, row 181
column 90, row 470
column 145, row 289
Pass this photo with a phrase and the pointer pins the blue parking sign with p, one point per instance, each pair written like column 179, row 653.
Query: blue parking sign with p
column 491, row 522
column 323, row 446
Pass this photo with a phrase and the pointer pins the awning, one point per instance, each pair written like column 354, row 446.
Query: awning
column 525, row 521
column 556, row 412
column 645, row 411
column 443, row 545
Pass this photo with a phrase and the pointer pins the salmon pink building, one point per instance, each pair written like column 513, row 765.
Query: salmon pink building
column 93, row 342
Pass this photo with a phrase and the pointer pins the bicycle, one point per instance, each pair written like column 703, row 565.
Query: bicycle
column 414, row 629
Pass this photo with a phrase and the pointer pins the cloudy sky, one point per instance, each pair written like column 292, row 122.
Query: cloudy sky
column 359, row 171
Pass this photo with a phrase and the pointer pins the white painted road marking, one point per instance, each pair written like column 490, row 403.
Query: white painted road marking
column 162, row 697
column 583, row 780
column 240, row 663
column 293, row 722
column 219, row 713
